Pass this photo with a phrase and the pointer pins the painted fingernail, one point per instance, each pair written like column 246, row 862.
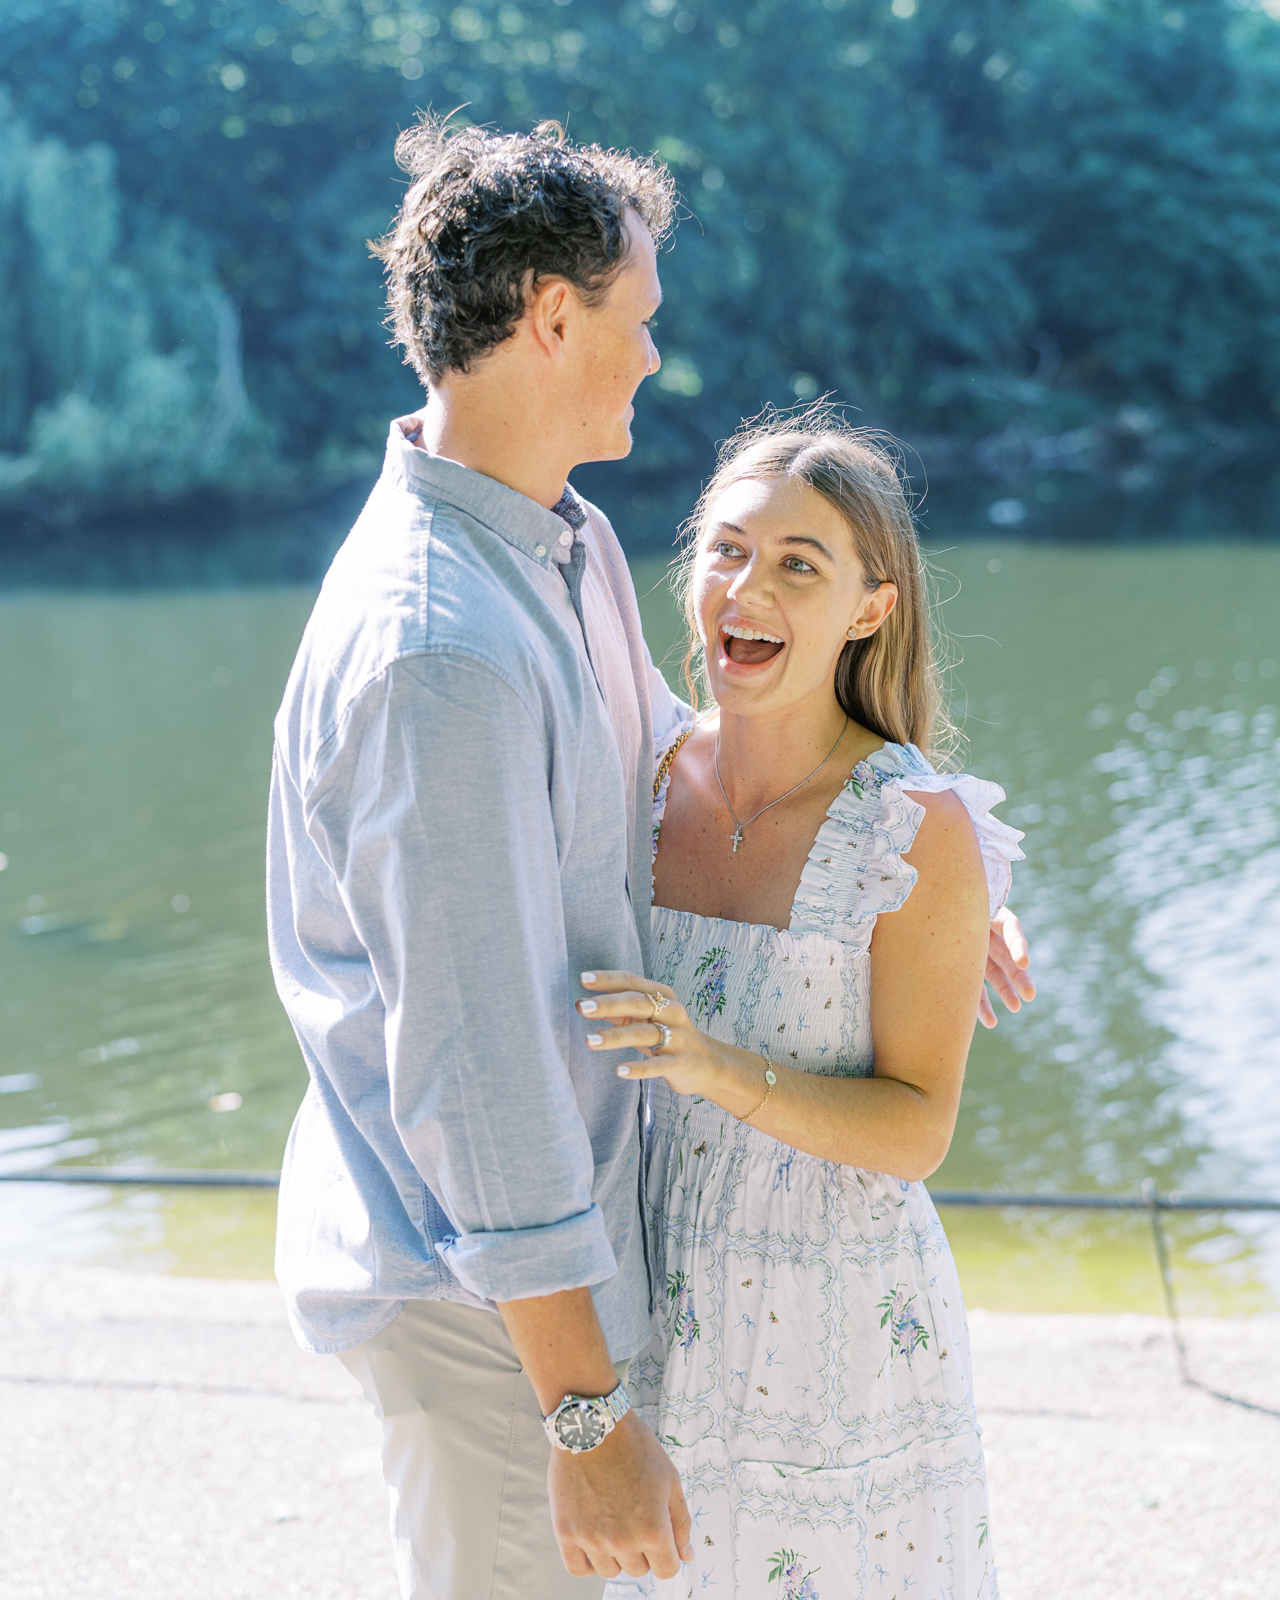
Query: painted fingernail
column 595, row 1038
column 588, row 977
column 624, row 1071
column 587, row 1007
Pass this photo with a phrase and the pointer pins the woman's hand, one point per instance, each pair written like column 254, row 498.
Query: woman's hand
column 1008, row 957
column 631, row 1009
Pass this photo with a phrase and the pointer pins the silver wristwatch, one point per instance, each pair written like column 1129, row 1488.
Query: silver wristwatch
column 578, row 1424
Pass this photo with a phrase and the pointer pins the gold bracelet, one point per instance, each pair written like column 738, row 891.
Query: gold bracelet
column 770, row 1077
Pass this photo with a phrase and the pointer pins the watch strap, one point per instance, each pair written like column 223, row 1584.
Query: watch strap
column 617, row 1404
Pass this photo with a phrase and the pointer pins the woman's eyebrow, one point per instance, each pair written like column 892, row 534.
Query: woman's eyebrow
column 814, row 544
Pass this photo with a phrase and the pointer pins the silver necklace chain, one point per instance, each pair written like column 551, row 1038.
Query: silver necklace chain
column 736, row 835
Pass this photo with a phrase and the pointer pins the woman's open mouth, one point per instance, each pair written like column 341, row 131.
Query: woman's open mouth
column 748, row 647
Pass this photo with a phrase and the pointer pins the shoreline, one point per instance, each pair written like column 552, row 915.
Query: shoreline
column 166, row 1438
column 1140, row 469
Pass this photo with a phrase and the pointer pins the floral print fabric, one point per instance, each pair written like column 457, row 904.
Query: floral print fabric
column 809, row 1372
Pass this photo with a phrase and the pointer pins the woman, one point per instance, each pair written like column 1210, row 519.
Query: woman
column 820, row 925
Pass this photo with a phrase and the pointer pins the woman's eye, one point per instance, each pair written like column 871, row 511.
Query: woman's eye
column 795, row 564
column 722, row 547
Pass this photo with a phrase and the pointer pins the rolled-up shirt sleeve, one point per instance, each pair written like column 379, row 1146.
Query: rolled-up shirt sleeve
column 435, row 811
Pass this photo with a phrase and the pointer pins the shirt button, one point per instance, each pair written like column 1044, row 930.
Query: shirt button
column 539, row 550
column 566, row 537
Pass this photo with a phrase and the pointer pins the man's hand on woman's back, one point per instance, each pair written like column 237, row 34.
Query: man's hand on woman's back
column 1008, row 957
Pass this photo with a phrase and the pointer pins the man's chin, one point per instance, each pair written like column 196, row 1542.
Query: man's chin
column 616, row 448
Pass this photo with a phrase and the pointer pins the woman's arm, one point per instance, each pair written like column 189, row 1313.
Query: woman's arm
column 927, row 963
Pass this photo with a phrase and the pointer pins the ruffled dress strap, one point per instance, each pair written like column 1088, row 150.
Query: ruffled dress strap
column 855, row 870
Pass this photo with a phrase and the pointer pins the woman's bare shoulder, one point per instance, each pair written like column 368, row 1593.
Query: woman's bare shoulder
column 945, row 849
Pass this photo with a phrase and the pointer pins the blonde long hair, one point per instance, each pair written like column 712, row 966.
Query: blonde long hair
column 890, row 682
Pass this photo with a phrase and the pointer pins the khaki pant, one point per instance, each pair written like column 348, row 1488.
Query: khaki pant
column 465, row 1458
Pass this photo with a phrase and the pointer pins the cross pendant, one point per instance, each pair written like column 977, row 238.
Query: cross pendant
column 736, row 836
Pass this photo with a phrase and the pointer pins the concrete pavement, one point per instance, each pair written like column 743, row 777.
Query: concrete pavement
column 164, row 1439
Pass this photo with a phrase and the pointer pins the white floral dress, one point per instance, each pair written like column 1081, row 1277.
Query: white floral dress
column 809, row 1372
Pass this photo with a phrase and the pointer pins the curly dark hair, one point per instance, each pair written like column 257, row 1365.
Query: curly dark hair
column 489, row 215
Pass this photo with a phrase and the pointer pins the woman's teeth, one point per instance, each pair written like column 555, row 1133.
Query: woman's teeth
column 734, row 631
column 749, row 647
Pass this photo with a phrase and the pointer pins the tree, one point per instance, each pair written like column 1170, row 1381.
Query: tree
column 951, row 213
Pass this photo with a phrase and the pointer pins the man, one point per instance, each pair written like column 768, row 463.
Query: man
column 460, row 820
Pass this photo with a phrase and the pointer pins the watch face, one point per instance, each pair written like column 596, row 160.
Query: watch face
column 580, row 1427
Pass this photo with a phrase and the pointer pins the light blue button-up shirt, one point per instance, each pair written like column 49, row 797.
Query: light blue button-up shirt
column 459, row 825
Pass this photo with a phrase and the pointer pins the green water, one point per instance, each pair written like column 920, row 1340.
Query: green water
column 1124, row 697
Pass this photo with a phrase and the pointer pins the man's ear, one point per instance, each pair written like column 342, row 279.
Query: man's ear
column 549, row 309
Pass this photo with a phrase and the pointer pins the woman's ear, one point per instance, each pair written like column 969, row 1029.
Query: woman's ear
column 874, row 609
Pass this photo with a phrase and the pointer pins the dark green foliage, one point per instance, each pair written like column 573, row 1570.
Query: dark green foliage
column 1147, row 176
column 971, row 214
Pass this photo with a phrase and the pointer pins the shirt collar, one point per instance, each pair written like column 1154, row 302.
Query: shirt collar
column 540, row 534
column 570, row 508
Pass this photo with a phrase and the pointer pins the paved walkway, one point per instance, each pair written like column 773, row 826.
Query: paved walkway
column 163, row 1438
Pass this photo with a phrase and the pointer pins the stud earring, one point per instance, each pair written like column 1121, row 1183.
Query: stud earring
column 852, row 633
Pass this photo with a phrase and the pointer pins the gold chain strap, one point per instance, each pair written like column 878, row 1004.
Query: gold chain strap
column 664, row 766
